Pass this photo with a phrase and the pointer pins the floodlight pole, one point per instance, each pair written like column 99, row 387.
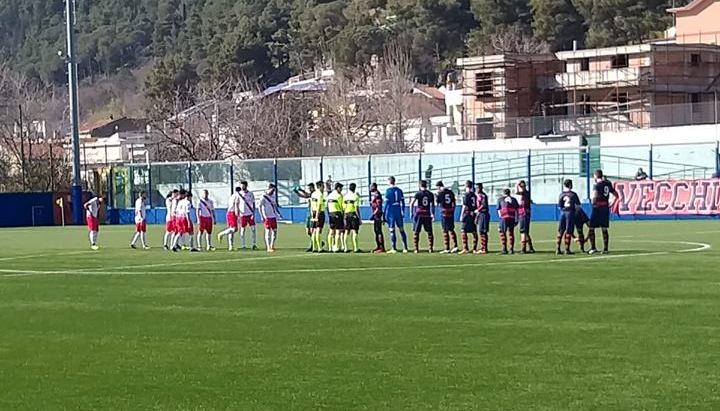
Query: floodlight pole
column 76, row 193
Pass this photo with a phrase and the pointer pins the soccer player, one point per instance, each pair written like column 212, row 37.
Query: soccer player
column 568, row 202
column 206, row 220
column 468, row 213
column 337, row 219
column 233, row 211
column 581, row 219
column 483, row 217
column 447, row 203
column 247, row 214
column 92, row 208
column 376, row 205
column 170, row 203
column 307, row 194
column 508, row 212
column 394, row 212
column 525, row 217
column 140, row 223
column 423, row 203
column 351, row 208
column 183, row 224
column 191, row 228
column 317, row 212
column 270, row 214
column 600, row 215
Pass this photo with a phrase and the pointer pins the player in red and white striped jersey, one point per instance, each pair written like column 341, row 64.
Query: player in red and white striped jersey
column 270, row 214
column 140, row 222
column 92, row 209
column 206, row 220
column 233, row 211
column 170, row 202
column 247, row 214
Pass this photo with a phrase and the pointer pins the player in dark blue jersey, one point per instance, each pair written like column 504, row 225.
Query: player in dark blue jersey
column 507, row 208
column 423, row 206
column 376, row 206
column 581, row 220
column 483, row 217
column 569, row 203
column 600, row 216
column 469, row 215
column 525, row 216
column 447, row 203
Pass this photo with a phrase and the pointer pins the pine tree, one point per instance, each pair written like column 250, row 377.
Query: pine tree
column 557, row 22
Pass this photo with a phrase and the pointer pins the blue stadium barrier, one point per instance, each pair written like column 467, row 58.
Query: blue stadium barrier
column 27, row 209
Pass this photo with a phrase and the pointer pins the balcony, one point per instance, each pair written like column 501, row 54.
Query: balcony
column 624, row 77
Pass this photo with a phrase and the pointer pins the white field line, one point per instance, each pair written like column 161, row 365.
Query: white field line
column 24, row 273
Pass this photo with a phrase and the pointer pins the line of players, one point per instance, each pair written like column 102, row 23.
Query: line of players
column 344, row 218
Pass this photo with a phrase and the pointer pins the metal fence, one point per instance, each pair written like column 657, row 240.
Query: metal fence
column 544, row 170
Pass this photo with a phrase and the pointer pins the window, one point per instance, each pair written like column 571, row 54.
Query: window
column 483, row 85
column 483, row 128
column 695, row 102
column 695, row 59
column 619, row 61
column 621, row 100
column 585, row 64
column 586, row 106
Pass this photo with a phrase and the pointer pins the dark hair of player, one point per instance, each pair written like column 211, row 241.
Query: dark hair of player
column 353, row 187
column 320, row 185
column 169, row 195
column 423, row 183
column 506, row 191
column 468, row 184
column 391, row 180
column 479, row 186
column 183, row 192
column 311, row 185
column 598, row 173
column 568, row 183
column 238, row 189
column 243, row 183
column 338, row 186
column 373, row 187
column 176, row 191
column 271, row 185
column 439, row 184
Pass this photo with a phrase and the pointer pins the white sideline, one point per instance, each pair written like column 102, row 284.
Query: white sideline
column 24, row 273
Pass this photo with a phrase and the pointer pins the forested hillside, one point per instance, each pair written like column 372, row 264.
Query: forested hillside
column 270, row 39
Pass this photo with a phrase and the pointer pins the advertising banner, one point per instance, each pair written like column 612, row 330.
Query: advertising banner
column 668, row 197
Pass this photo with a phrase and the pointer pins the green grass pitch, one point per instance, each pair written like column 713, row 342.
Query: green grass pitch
column 121, row 329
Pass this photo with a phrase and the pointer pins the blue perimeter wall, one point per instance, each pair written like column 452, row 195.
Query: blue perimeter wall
column 24, row 209
column 541, row 212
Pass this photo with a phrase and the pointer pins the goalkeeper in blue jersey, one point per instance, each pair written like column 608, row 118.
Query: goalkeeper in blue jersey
column 394, row 215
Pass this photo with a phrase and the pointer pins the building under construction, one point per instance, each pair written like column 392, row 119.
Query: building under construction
column 581, row 91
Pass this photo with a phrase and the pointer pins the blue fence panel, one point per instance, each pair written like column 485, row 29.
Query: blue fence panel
column 27, row 209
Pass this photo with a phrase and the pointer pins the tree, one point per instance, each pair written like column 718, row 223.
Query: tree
column 494, row 15
column 506, row 40
column 30, row 160
column 558, row 23
column 618, row 22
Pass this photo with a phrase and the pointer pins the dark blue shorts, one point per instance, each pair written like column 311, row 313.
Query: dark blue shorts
column 423, row 222
column 567, row 223
column 448, row 223
column 600, row 217
column 507, row 225
column 468, row 224
column 394, row 218
column 483, row 223
column 525, row 224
